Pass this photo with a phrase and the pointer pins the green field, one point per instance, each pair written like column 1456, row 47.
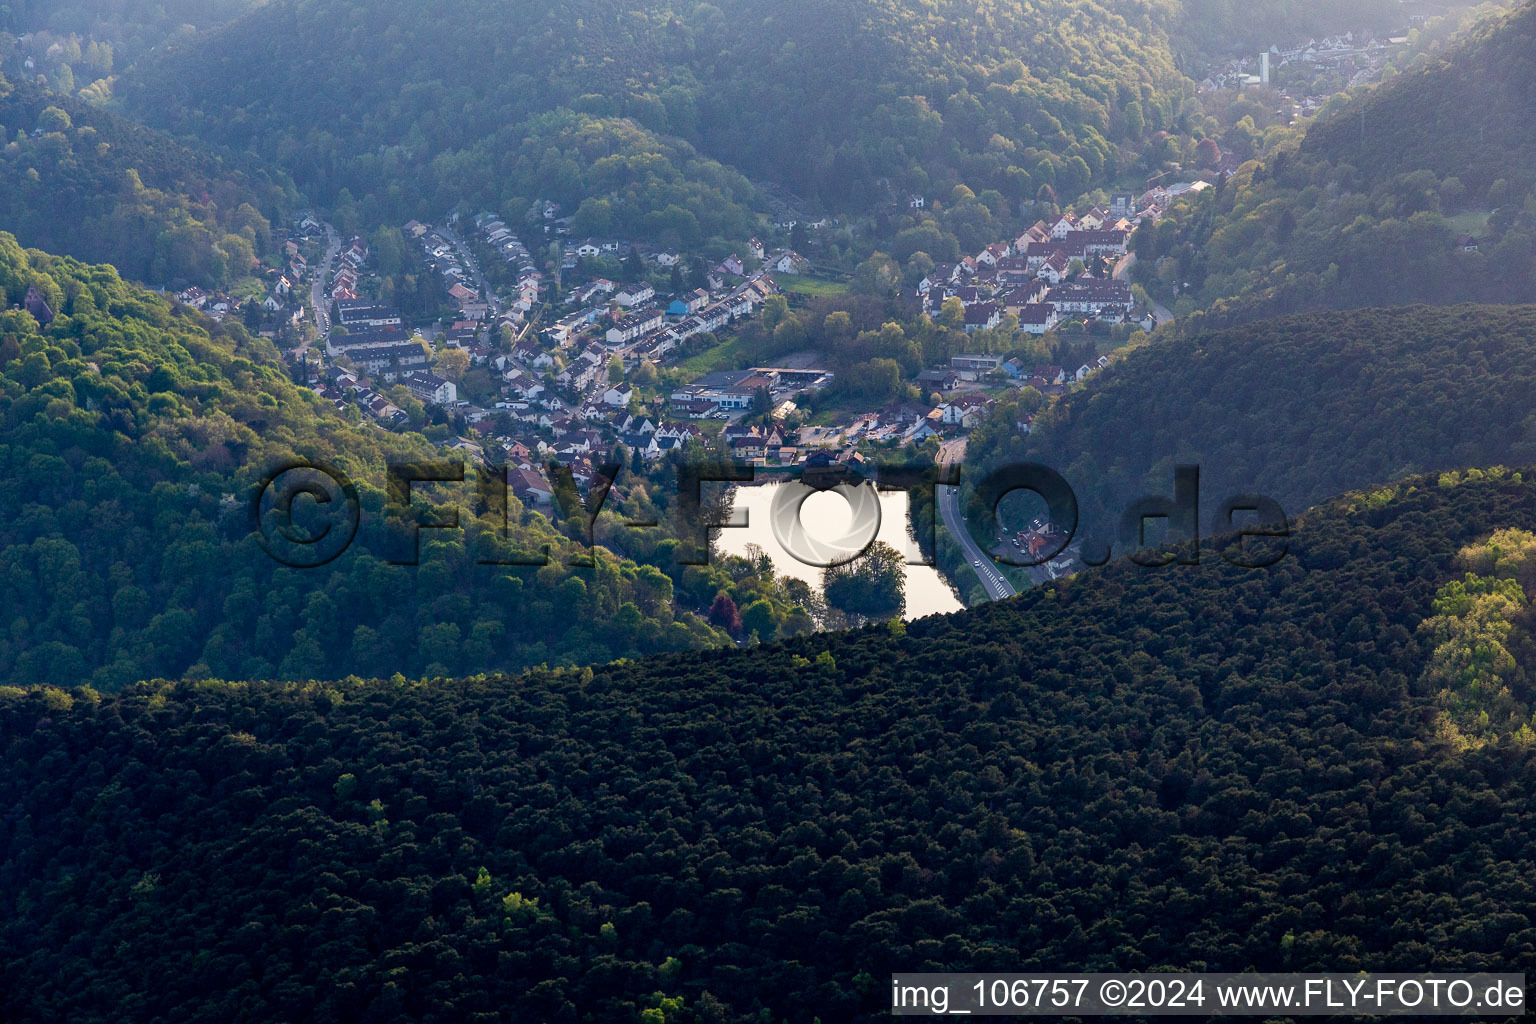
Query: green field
column 1472, row 221
column 816, row 286
column 724, row 356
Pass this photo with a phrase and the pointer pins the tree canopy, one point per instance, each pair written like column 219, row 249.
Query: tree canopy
column 1297, row 409
column 136, row 433
column 1205, row 767
column 79, row 180
column 486, row 102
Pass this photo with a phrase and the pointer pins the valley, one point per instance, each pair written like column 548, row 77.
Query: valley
column 425, row 429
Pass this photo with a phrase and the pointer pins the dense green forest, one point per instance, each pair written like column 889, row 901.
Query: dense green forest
column 1298, row 409
column 77, row 179
column 1207, row 767
column 1420, row 190
column 136, row 433
column 79, row 47
column 411, row 108
column 136, row 24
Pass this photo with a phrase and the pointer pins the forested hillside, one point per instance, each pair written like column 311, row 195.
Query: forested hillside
column 413, row 107
column 1421, row 190
column 1464, row 115
column 1205, row 768
column 77, row 179
column 134, row 25
column 135, row 436
column 1298, row 409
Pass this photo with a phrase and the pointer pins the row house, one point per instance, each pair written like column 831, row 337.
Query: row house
column 1092, row 295
column 390, row 361
column 361, row 312
column 634, row 295
column 1030, row 291
column 631, row 326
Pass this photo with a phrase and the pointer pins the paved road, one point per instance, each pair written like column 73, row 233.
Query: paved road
column 468, row 259
column 997, row 586
column 317, row 304
column 1122, row 272
column 948, row 498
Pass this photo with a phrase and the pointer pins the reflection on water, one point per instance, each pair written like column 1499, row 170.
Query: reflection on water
column 827, row 515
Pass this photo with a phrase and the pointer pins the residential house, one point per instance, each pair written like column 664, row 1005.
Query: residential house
column 530, row 355
column 1037, row 317
column 1063, row 225
column 1018, row 296
column 966, row 412
column 390, row 361
column 363, row 313
column 992, row 254
column 1092, row 295
column 635, row 425
column 789, row 263
column 938, row 380
column 982, row 317
column 634, row 295
column 1093, row 220
column 1040, row 232
column 582, row 370
column 429, row 387
column 341, row 341
column 35, row 304
column 530, row 487
column 1054, row 268
column 631, row 326
column 522, row 385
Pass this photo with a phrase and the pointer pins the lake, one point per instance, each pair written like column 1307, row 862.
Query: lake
column 827, row 515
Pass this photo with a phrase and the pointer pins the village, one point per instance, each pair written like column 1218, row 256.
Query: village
column 1305, row 74
column 517, row 376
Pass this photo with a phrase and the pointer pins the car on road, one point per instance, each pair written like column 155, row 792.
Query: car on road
column 977, row 563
